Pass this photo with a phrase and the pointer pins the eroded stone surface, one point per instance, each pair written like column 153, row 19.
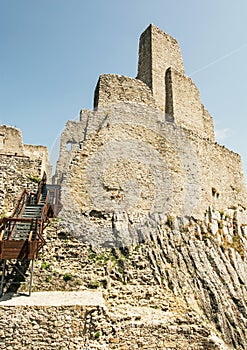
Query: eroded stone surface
column 182, row 287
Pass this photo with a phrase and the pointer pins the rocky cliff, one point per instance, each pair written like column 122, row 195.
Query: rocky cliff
column 183, row 286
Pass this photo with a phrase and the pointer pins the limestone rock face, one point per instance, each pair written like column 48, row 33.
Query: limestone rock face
column 182, row 286
column 183, row 261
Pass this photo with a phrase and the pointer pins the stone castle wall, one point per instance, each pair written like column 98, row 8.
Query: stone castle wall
column 88, row 328
column 196, row 171
column 42, row 328
column 187, row 109
column 17, row 173
column 112, row 88
column 20, row 166
column 40, row 152
column 10, row 140
column 71, row 138
column 161, row 68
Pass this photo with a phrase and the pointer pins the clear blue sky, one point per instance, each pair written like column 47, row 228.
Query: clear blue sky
column 52, row 52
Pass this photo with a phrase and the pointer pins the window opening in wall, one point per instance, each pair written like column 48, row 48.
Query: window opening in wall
column 69, row 145
column 169, row 113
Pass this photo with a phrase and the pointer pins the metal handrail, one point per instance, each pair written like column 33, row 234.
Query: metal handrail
column 20, row 204
column 9, row 224
column 6, row 226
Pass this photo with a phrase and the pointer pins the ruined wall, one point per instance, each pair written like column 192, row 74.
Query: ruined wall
column 42, row 328
column 10, row 140
column 161, row 68
column 71, row 138
column 208, row 125
column 112, row 88
column 17, row 173
column 87, row 328
column 184, row 105
column 172, row 168
column 20, row 166
column 40, row 152
column 222, row 176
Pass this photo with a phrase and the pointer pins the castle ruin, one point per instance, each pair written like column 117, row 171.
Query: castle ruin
column 154, row 218
column 147, row 147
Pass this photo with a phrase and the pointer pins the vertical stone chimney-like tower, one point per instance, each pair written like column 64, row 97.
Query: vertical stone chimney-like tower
column 160, row 66
column 158, row 51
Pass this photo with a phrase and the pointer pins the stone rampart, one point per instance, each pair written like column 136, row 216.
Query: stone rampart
column 89, row 328
column 70, row 141
column 157, row 126
column 184, row 105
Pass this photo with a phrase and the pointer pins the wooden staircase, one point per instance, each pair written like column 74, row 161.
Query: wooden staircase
column 21, row 235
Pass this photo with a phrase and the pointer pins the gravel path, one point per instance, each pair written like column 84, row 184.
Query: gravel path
column 87, row 298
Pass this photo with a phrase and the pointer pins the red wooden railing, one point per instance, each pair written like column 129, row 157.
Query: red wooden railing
column 34, row 240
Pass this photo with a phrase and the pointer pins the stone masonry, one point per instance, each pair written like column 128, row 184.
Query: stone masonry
column 155, row 129
column 21, row 165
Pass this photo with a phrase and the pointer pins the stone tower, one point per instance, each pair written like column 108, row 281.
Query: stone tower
column 156, row 116
column 158, row 52
column 161, row 67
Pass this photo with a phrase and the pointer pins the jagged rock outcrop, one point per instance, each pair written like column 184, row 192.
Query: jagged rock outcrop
column 183, row 286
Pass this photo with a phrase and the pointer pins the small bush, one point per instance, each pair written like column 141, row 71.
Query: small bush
column 45, row 265
column 170, row 222
column 94, row 285
column 67, row 277
column 34, row 179
column 97, row 335
column 220, row 224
